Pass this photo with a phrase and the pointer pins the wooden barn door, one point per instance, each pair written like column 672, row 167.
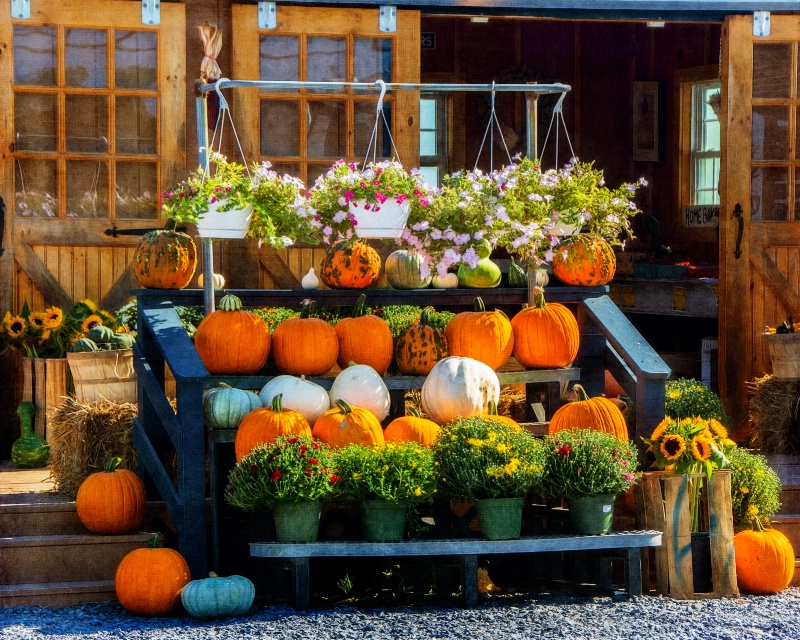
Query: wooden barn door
column 303, row 132
column 92, row 107
column 760, row 197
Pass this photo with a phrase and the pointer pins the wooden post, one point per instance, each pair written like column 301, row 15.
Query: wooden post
column 44, row 382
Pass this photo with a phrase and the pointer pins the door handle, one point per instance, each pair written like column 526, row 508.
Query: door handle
column 2, row 223
column 739, row 215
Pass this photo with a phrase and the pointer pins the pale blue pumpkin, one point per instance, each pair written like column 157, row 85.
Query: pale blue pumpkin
column 216, row 597
column 224, row 407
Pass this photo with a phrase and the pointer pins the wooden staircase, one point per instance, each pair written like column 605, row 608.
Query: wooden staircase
column 47, row 557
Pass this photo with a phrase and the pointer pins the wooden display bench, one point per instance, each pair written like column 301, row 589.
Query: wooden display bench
column 466, row 551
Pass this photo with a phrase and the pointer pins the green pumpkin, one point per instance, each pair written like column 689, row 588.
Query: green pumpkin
column 216, row 597
column 83, row 345
column 100, row 333
column 224, row 407
column 402, row 269
column 517, row 276
column 29, row 450
column 122, row 341
column 485, row 275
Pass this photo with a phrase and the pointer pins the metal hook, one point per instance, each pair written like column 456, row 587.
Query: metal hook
column 557, row 108
column 382, row 85
column 222, row 102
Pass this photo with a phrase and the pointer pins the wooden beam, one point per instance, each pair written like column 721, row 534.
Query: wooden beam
column 280, row 272
column 775, row 280
column 41, row 277
column 120, row 293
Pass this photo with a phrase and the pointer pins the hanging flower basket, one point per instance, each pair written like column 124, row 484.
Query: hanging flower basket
column 385, row 220
column 231, row 224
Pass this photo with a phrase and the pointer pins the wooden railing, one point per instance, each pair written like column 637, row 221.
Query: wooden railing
column 171, row 443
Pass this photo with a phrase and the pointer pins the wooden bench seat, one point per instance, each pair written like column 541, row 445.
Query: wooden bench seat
column 467, row 550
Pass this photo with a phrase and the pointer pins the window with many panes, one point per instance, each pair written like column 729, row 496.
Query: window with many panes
column 86, row 105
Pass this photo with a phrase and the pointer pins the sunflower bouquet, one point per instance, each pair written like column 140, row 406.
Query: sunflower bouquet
column 692, row 445
column 39, row 334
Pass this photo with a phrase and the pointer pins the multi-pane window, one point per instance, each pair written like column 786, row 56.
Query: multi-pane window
column 86, row 110
column 304, row 130
column 705, row 152
column 433, row 137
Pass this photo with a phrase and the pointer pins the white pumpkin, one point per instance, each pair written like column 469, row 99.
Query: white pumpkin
column 450, row 281
column 218, row 280
column 361, row 386
column 458, row 386
column 310, row 281
column 307, row 398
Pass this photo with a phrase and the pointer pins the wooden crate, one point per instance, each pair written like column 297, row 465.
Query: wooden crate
column 45, row 383
column 662, row 504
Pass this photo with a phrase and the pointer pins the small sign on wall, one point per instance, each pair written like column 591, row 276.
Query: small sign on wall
column 428, row 40
column 702, row 215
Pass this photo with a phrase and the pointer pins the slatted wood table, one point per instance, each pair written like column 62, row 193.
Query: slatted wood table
column 467, row 550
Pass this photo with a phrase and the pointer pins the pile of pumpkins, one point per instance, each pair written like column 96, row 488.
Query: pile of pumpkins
column 102, row 338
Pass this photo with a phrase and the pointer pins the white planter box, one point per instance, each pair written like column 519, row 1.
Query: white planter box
column 380, row 221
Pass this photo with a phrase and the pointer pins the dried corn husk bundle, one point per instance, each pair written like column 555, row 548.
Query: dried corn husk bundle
column 85, row 436
column 212, row 44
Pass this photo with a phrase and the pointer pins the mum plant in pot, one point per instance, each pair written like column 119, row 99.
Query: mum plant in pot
column 290, row 476
column 492, row 464
column 588, row 468
column 386, row 480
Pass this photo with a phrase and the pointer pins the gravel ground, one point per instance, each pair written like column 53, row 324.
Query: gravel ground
column 542, row 616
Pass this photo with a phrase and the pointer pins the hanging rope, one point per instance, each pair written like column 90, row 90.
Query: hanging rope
column 219, row 128
column 379, row 115
column 556, row 119
column 490, row 132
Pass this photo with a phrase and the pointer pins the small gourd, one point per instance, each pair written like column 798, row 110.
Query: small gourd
column 310, row 281
column 100, row 333
column 217, row 597
column 449, row 281
column 517, row 276
column 29, row 451
column 83, row 345
column 485, row 275
column 218, row 280
column 403, row 270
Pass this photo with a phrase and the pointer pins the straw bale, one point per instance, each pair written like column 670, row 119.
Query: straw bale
column 774, row 414
column 85, row 436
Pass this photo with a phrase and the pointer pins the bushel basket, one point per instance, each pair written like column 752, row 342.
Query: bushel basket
column 108, row 374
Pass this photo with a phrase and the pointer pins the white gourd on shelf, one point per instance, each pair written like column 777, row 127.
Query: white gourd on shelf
column 307, row 398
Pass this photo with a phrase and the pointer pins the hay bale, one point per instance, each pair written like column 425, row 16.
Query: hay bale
column 512, row 403
column 774, row 414
column 85, row 436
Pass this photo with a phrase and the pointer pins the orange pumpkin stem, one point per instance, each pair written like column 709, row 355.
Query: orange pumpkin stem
column 112, row 464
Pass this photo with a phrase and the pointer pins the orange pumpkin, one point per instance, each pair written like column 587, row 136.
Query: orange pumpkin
column 486, row 336
column 597, row 413
column 585, row 260
column 345, row 424
column 111, row 501
column 164, row 259
column 412, row 428
column 546, row 336
column 364, row 339
column 764, row 560
column 231, row 340
column 148, row 581
column 350, row 264
column 304, row 346
column 420, row 346
column 492, row 414
column 267, row 423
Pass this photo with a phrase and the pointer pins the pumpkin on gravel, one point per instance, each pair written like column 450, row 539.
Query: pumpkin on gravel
column 345, row 424
column 218, row 597
column 764, row 560
column 483, row 335
column 164, row 259
column 232, row 340
column 584, row 260
column 111, row 501
column 364, row 338
column 304, row 345
column 350, row 264
column 597, row 413
column 149, row 581
column 266, row 424
column 420, row 346
column 546, row 336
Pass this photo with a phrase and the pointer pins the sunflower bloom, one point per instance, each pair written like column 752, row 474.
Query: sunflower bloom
column 661, row 428
column 701, row 448
column 92, row 321
column 673, row 446
column 38, row 320
column 15, row 325
column 718, row 429
column 54, row 317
